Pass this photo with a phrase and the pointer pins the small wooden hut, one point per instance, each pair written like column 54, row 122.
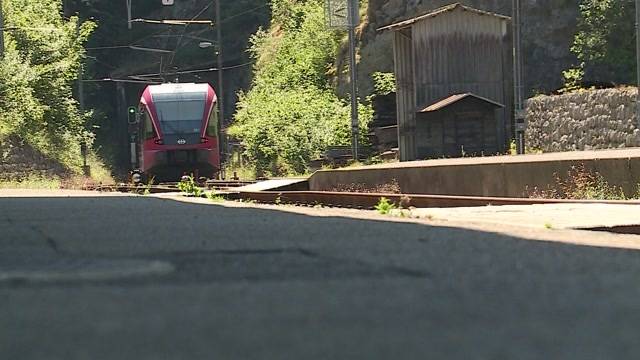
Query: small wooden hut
column 460, row 125
column 453, row 50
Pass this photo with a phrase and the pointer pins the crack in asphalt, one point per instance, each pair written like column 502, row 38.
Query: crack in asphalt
column 51, row 242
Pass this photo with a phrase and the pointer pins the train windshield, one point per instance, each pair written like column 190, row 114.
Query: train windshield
column 180, row 113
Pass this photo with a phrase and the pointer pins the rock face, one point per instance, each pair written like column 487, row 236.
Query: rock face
column 547, row 34
column 585, row 120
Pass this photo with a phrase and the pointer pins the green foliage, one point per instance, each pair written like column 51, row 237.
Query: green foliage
column 189, row 187
column 42, row 58
column 291, row 114
column 32, row 182
column 513, row 147
column 214, row 197
column 573, row 78
column 581, row 184
column 385, row 206
column 383, row 83
column 146, row 188
column 605, row 41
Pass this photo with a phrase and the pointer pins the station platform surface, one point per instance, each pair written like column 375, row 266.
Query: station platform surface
column 550, row 216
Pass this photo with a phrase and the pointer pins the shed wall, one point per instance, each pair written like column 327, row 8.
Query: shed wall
column 455, row 52
column 405, row 94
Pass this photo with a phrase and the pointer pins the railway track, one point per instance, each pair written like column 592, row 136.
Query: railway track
column 168, row 187
column 370, row 200
column 354, row 200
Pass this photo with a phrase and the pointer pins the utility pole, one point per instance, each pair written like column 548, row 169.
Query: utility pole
column 353, row 9
column 221, row 139
column 83, row 146
column 129, row 14
column 519, row 111
column 1, row 31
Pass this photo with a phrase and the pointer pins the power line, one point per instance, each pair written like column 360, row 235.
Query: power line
column 122, row 80
column 244, row 12
column 184, row 31
column 194, row 71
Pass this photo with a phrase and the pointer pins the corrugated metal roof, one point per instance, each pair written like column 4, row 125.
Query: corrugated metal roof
column 434, row 13
column 455, row 98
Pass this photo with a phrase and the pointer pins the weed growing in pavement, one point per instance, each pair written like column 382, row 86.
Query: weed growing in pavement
column 147, row 187
column 548, row 225
column 213, row 196
column 385, row 206
column 189, row 187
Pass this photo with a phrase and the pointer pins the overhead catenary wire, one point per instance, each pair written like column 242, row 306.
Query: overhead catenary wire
column 184, row 31
column 194, row 71
column 243, row 13
column 123, row 81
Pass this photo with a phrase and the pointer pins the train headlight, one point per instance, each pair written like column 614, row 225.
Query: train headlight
column 136, row 178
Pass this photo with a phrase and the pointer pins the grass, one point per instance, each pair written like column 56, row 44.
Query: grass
column 242, row 172
column 385, row 206
column 189, row 187
column 548, row 225
column 214, row 197
column 32, row 182
column 99, row 171
column 582, row 184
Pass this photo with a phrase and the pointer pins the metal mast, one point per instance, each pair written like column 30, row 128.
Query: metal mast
column 518, row 87
column 220, row 92
column 353, row 22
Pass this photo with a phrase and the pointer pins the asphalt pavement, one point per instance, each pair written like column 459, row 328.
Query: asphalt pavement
column 136, row 277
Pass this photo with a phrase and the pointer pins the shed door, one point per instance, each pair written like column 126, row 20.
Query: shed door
column 469, row 135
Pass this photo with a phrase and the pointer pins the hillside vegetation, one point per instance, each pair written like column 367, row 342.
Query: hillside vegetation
column 291, row 114
column 42, row 57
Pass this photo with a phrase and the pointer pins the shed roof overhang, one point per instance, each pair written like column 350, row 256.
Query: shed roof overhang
column 454, row 99
column 457, row 6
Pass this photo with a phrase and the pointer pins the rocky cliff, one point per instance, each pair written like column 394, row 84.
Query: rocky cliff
column 548, row 30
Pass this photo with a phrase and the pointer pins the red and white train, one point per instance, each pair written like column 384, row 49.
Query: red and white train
column 176, row 132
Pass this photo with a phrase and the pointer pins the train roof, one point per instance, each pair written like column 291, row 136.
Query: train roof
column 174, row 88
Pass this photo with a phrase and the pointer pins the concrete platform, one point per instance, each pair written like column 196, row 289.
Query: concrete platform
column 550, row 216
column 288, row 184
column 500, row 176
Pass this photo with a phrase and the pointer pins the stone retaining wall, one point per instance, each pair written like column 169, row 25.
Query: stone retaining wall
column 585, row 120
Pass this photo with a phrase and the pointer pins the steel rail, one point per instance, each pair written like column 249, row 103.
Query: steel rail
column 370, row 200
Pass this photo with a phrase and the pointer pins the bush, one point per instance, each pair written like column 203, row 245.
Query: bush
column 291, row 114
column 36, row 79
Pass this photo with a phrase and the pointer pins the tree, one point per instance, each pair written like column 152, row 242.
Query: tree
column 605, row 41
column 36, row 77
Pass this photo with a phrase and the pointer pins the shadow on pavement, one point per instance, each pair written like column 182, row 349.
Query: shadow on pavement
column 253, row 283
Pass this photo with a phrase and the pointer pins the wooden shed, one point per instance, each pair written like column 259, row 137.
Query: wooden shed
column 452, row 50
column 460, row 125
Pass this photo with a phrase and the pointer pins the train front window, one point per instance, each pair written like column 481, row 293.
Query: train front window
column 180, row 114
